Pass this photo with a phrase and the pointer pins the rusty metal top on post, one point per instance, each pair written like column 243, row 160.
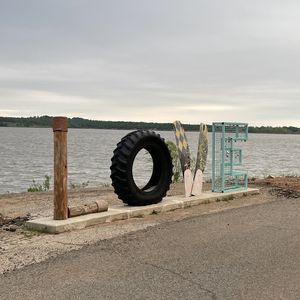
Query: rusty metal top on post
column 60, row 124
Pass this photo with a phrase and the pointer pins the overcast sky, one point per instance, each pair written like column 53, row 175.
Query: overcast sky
column 152, row 60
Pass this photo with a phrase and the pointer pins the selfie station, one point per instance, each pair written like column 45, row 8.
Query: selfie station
column 151, row 198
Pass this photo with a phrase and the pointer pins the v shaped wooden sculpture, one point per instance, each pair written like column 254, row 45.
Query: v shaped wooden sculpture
column 193, row 183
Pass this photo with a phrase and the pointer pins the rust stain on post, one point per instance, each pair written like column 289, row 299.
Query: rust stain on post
column 60, row 129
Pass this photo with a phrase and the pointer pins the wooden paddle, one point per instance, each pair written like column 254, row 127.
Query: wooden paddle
column 193, row 184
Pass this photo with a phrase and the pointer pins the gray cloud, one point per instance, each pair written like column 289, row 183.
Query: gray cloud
column 152, row 60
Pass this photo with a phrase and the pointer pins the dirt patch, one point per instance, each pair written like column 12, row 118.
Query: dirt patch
column 287, row 193
column 41, row 204
column 24, row 206
column 288, row 187
column 289, row 183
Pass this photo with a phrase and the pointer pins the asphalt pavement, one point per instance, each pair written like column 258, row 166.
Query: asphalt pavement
column 247, row 253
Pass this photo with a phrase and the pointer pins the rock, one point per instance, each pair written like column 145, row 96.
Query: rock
column 19, row 221
column 270, row 177
column 287, row 193
column 4, row 220
column 11, row 228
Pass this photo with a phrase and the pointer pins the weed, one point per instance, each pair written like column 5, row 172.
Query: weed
column 30, row 233
column 139, row 216
column 173, row 209
column 177, row 172
column 79, row 185
column 37, row 187
column 290, row 175
column 228, row 198
column 176, row 162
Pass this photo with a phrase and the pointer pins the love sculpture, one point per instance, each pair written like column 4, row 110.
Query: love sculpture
column 225, row 156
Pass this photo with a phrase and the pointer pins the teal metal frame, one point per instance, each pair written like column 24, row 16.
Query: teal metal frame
column 227, row 158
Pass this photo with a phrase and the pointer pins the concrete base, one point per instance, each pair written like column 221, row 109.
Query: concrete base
column 121, row 212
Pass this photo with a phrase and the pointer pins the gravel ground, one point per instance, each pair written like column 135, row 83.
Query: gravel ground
column 19, row 247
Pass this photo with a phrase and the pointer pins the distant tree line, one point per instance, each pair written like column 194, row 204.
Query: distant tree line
column 46, row 121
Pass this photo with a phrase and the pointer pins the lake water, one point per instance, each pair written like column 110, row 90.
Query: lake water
column 27, row 154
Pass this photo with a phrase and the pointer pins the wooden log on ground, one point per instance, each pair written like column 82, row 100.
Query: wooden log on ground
column 89, row 208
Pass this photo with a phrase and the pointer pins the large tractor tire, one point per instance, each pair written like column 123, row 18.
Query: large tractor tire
column 122, row 164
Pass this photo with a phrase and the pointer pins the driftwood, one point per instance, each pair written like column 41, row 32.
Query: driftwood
column 89, row 208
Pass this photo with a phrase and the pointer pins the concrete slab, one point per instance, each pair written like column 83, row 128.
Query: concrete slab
column 57, row 226
column 123, row 212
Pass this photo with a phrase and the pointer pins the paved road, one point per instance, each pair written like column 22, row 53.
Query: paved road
column 246, row 253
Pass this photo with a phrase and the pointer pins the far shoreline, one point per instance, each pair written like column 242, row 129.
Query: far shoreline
column 155, row 129
column 80, row 123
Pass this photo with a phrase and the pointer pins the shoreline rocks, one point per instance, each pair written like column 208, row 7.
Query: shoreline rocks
column 12, row 224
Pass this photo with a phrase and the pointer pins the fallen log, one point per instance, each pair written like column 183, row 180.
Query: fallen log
column 89, row 208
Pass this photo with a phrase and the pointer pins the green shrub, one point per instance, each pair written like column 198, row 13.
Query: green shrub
column 177, row 174
column 37, row 187
column 177, row 171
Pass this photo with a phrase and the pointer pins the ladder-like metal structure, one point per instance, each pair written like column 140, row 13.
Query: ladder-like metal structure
column 227, row 156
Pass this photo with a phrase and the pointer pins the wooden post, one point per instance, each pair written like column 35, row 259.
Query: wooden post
column 60, row 130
